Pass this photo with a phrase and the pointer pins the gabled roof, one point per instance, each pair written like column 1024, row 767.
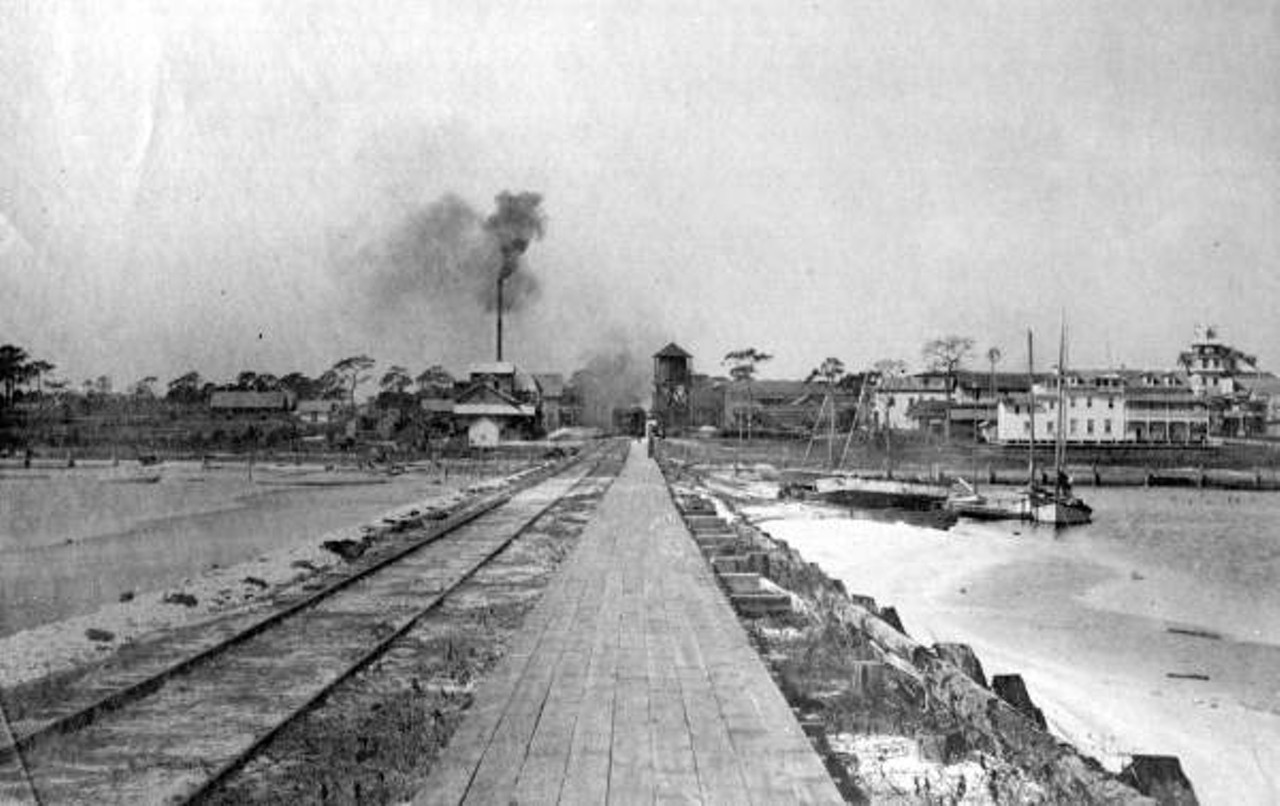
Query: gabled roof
column 672, row 350
column 481, row 392
column 482, row 400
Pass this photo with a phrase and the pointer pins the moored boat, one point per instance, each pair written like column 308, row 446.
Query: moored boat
column 1057, row 506
column 1060, row 506
column 879, row 493
column 1061, row 510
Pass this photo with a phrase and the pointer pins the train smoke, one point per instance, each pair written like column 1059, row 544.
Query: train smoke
column 618, row 374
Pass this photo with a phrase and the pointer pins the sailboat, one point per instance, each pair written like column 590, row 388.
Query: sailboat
column 1059, row 506
column 838, row 486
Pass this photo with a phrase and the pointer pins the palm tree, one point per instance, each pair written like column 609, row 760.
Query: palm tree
column 40, row 368
column 396, row 379
column 434, row 378
column 185, row 388
column 993, row 357
column 143, row 387
column 355, row 369
column 742, row 368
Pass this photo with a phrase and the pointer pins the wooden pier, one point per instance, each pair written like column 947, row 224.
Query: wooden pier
column 632, row 682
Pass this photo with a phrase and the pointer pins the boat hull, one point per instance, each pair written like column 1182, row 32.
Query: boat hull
column 1061, row 513
column 987, row 509
column 880, row 493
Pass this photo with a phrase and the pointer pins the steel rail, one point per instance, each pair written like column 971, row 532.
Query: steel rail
column 83, row 717
column 232, row 766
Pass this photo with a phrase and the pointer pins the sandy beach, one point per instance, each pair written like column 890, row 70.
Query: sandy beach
column 1089, row 635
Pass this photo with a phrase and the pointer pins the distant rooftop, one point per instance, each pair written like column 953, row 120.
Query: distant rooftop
column 493, row 368
column 672, row 350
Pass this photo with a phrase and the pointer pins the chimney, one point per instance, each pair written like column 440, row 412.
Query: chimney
column 501, row 279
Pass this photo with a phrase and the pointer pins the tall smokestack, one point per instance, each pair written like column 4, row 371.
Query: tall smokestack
column 501, row 279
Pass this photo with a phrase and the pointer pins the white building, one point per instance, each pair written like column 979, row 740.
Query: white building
column 896, row 395
column 1212, row 366
column 1106, row 408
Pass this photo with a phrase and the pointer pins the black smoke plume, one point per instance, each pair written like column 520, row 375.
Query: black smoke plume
column 517, row 221
column 445, row 253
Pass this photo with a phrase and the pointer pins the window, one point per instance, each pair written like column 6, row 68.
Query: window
column 1088, row 402
column 1111, row 402
column 1106, row 426
column 1088, row 427
column 1074, row 426
column 1050, row 424
column 1026, row 427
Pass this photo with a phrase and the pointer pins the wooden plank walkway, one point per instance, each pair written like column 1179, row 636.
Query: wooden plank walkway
column 632, row 682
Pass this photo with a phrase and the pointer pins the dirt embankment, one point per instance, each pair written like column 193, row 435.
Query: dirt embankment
column 898, row 721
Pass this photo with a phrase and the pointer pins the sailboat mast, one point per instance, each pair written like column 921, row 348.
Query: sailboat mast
column 1060, row 444
column 1031, row 411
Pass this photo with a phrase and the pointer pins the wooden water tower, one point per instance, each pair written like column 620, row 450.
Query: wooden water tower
column 672, row 385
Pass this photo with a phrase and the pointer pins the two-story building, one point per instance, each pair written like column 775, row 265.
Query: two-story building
column 897, row 397
column 1107, row 407
column 920, row 401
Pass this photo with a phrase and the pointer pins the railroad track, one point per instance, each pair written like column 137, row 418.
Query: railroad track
column 174, row 734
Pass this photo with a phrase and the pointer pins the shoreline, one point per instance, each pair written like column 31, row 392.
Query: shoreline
column 890, row 713
column 64, row 646
column 76, row 543
column 948, row 589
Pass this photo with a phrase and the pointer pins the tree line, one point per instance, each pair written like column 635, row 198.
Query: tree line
column 943, row 354
column 23, row 377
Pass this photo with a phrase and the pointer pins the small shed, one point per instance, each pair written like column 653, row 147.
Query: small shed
column 491, row 415
column 317, row 412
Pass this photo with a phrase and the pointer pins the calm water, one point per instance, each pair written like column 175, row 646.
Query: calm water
column 71, row 542
column 1218, row 550
column 1095, row 618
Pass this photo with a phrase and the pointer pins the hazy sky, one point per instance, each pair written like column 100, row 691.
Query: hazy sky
column 208, row 185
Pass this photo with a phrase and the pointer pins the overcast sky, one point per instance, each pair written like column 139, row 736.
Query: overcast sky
column 200, row 185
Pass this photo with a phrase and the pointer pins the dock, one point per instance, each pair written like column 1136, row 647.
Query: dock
column 631, row 682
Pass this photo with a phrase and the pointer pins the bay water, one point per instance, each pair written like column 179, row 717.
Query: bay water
column 72, row 541
column 1155, row 629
